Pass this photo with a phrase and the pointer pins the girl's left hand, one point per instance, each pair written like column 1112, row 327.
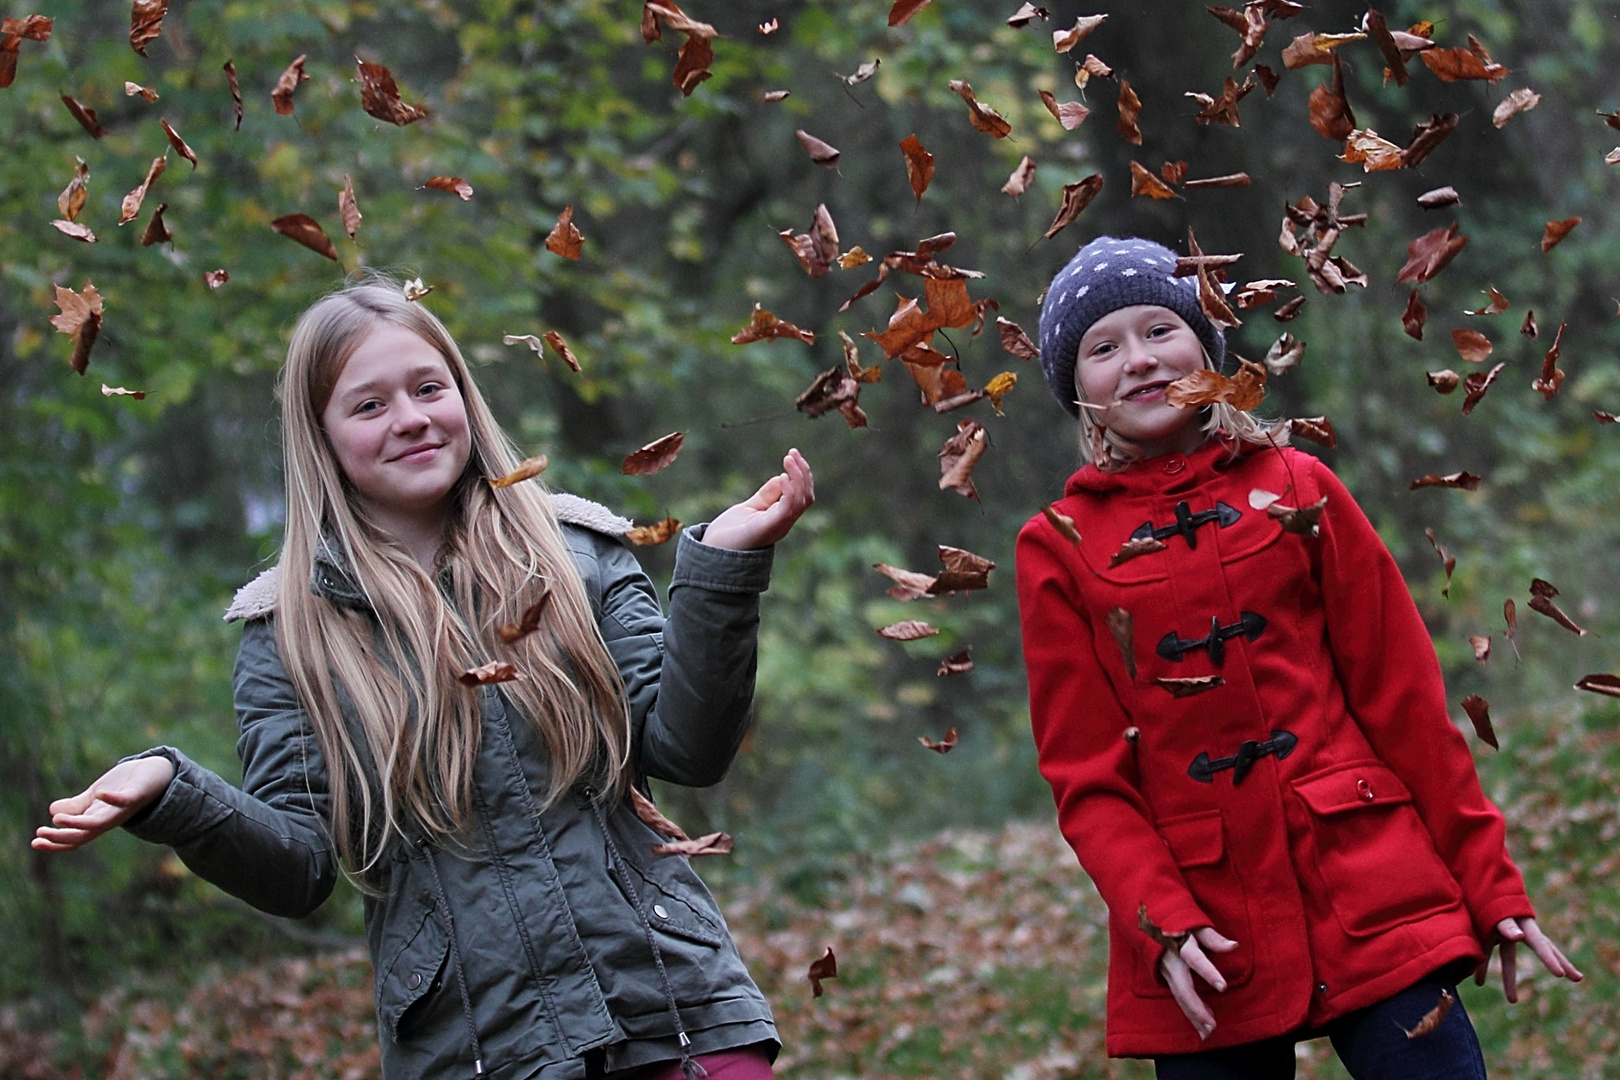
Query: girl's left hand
column 1509, row 932
column 767, row 516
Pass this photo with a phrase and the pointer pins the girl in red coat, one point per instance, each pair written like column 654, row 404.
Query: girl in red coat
column 1244, row 726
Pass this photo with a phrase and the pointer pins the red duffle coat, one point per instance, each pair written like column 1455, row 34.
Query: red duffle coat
column 1361, row 858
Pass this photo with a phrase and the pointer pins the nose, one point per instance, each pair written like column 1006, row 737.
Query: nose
column 1138, row 355
column 409, row 416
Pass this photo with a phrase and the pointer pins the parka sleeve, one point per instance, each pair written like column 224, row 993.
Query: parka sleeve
column 267, row 843
column 1080, row 726
column 689, row 677
column 1386, row 663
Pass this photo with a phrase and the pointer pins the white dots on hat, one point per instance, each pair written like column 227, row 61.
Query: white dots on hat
column 1129, row 271
column 1081, row 291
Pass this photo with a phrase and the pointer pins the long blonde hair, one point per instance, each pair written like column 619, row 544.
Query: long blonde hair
column 400, row 734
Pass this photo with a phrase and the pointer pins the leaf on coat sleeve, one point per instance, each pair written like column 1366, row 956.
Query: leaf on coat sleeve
column 1134, row 548
column 564, row 238
column 379, row 96
column 81, row 320
column 660, row 532
column 715, row 843
column 940, row 746
column 1172, row 942
column 958, row 663
column 527, row 623
column 1063, row 523
column 495, row 671
column 1541, row 600
column 529, row 469
column 281, row 97
column 907, row 630
column 919, row 164
column 1123, row 627
column 1184, row 686
column 1479, row 711
column 656, row 455
column 826, row 967
column 1608, row 685
column 1432, row 1019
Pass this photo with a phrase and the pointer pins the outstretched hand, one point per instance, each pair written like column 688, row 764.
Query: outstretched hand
column 1178, row 968
column 766, row 517
column 116, row 796
column 1509, row 932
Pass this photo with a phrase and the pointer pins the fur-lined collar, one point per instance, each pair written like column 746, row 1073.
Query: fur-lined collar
column 258, row 597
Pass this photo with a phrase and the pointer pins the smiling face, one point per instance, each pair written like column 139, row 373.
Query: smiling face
column 1125, row 361
column 398, row 427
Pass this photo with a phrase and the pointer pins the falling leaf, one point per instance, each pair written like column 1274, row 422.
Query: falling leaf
column 899, row 15
column 852, row 258
column 654, row 818
column 1479, row 711
column 530, row 468
column 919, row 165
column 119, row 391
column 767, row 327
column 660, row 532
column 529, row 621
column 908, row 584
column 1076, row 197
column 455, row 185
column 156, row 231
column 1021, row 177
column 1211, row 298
column 1552, row 376
column 1432, row 1019
column 1317, row 429
column 958, row 663
column 1608, row 685
column 379, row 96
column 564, row 239
column 1449, row 562
column 1071, row 114
column 964, row 571
column 1378, row 30
column 1472, row 345
column 1026, row 14
column 307, row 231
column 1123, row 627
column 1309, row 48
column 13, row 32
column 1063, row 523
column 1373, row 152
column 1444, row 381
column 1455, row 65
column 1528, row 327
column 1144, row 182
column 132, row 201
column 1612, row 157
column 216, row 278
column 71, row 200
column 1168, row 942
column 1439, row 197
column 656, row 455
column 852, row 362
column 146, row 22
column 282, row 96
column 85, row 116
column 1089, row 68
column 770, row 97
column 716, row 843
column 942, row 746
column 1301, row 520
column 821, row 153
column 1464, row 480
column 833, row 389
column 560, row 346
column 1510, row 615
column 1173, row 172
column 1430, row 253
column 495, row 671
column 998, row 388
column 1133, row 548
column 1289, row 310
column 770, row 26
column 1604, row 417
column 1268, row 78
column 179, row 144
column 146, row 93
column 1260, row 498
column 1481, row 644
column 959, row 455
column 236, row 92
column 75, row 230
column 348, row 209
column 1426, row 136
column 908, row 630
column 1130, row 108
column 1521, row 100
column 1064, row 40
column 1230, row 180
column 1243, row 391
column 981, row 116
column 1556, row 231
column 863, row 73
column 1015, row 341
column 816, row 249
column 1181, row 687
column 1222, row 109
column 1498, row 304
column 1251, row 23
column 1415, row 315
column 81, row 320
column 1285, row 353
column 824, row 968
column 1541, row 600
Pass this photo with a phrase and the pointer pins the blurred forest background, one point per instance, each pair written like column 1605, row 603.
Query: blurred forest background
column 968, row 942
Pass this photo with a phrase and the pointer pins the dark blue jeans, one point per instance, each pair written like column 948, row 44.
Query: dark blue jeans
column 1371, row 1043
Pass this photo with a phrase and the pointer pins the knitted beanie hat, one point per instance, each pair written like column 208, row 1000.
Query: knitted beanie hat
column 1108, row 274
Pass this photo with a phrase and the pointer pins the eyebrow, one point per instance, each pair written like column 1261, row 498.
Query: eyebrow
column 411, row 375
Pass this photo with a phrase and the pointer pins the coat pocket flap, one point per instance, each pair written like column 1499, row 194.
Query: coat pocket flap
column 415, row 970
column 1194, row 840
column 1352, row 787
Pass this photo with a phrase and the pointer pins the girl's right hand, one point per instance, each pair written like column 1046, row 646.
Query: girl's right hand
column 1178, row 969
column 118, row 795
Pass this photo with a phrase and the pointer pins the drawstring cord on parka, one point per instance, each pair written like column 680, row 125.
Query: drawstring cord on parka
column 455, row 958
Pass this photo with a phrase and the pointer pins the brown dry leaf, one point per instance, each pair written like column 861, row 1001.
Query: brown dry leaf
column 1521, row 100
column 1211, row 298
column 1123, row 627
column 1076, row 197
column 824, row 154
column 1309, row 48
column 1144, row 182
column 907, row 630
column 71, row 200
column 908, row 584
column 1243, row 392
column 1510, row 615
column 826, row 967
column 903, row 10
column 81, row 320
column 216, row 278
column 942, row 746
column 132, row 201
column 529, row 469
column 656, row 455
column 817, row 249
column 13, row 32
column 1437, row 198
column 958, row 663
column 85, row 116
column 1426, row 136
column 1071, row 114
column 1432, row 1019
column 1415, row 315
column 1026, row 14
column 1299, row 520
column 1479, row 711
column 146, row 93
column 1448, row 561
column 119, row 391
column 1378, row 30
column 833, row 389
column 1268, row 78
column 964, row 571
column 1222, row 109
column 1541, row 600
column 716, row 843
column 75, row 230
column 1063, row 523
column 1181, row 687
column 282, row 96
column 1089, row 68
column 1021, row 177
column 1173, row 172
column 1498, row 304
column 692, row 62
column 659, row 532
column 1372, row 151
column 455, row 185
column 1289, row 310
column 1608, row 685
column 852, row 362
column 527, row 623
column 560, row 345
column 1444, row 381
column 1556, row 231
column 1472, row 345
column 855, row 256
column 1131, row 549
column 307, row 231
column 1603, row 416
column 564, row 238
column 1130, row 109
column 1015, row 341
column 919, row 164
column 1465, row 481
column 1064, row 40
column 1318, row 429
column 1169, row 942
column 959, row 455
column 764, row 326
column 1481, row 644
column 1230, row 180
column 379, row 96
column 146, row 22
column 1430, row 253
column 862, row 73
column 236, row 92
column 654, row 818
column 495, row 671
column 1455, row 65
column 1285, row 353
column 981, row 115
column 157, row 232
column 1552, row 376
column 179, row 144
column 1528, row 327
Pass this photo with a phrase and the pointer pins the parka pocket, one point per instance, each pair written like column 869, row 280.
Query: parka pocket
column 667, row 902
column 1197, row 843
column 1373, row 852
column 411, row 981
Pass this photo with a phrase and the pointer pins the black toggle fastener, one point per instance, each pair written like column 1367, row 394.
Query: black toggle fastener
column 1281, row 743
column 1187, row 523
column 1249, row 625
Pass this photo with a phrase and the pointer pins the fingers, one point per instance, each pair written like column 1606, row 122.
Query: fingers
column 1211, row 939
column 1552, row 958
column 1177, row 975
column 1510, row 972
column 1192, row 954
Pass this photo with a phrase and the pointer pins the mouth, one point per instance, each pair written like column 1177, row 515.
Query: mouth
column 1147, row 390
column 417, row 453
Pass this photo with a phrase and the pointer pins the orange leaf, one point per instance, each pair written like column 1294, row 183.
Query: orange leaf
column 659, row 532
column 532, row 467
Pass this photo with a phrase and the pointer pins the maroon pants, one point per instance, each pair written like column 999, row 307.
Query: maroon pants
column 744, row 1063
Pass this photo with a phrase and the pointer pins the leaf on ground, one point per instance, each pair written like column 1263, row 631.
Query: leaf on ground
column 919, row 165
column 764, row 326
column 528, row 469
column 659, row 532
column 1556, row 231
column 907, row 630
column 1541, row 601
column 1123, row 627
column 1130, row 111
column 81, row 320
column 822, row 153
column 1076, row 197
column 656, row 455
column 959, row 455
column 496, row 671
column 527, row 623
column 306, row 231
column 940, row 746
column 1479, row 711
column 379, row 96
column 282, row 95
column 132, row 201
column 980, row 115
column 1465, row 481
column 1134, row 548
column 825, row 967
